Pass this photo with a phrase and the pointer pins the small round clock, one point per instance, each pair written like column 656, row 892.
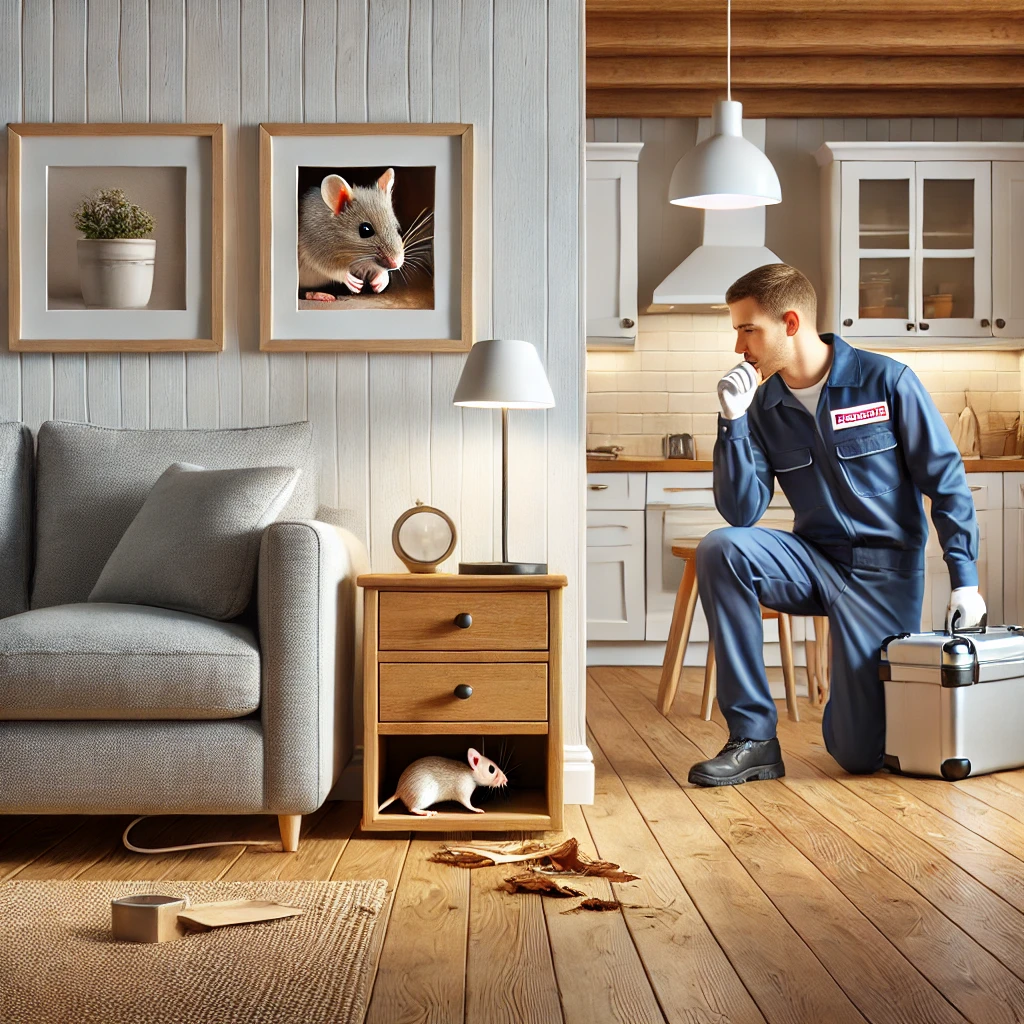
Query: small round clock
column 423, row 537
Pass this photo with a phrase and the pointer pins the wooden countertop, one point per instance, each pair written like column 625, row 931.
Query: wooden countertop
column 635, row 464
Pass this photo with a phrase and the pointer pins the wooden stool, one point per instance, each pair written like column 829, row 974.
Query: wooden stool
column 817, row 652
column 679, row 635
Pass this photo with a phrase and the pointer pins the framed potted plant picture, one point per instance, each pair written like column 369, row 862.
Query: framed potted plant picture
column 366, row 237
column 116, row 237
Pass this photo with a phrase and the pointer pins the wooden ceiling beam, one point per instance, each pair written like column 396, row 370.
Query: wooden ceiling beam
column 791, row 34
column 854, row 73
column 953, row 10
column 809, row 102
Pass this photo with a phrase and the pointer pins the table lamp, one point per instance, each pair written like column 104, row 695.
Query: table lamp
column 503, row 374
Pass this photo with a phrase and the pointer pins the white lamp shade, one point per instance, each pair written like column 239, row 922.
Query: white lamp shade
column 503, row 373
column 725, row 172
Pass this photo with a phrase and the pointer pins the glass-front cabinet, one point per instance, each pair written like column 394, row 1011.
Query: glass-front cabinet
column 916, row 248
column 923, row 240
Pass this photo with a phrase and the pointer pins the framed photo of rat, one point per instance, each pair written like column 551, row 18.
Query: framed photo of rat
column 366, row 237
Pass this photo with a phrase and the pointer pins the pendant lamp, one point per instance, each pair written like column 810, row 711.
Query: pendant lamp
column 725, row 171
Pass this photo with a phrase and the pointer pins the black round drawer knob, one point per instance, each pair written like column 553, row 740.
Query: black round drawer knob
column 1000, row 323
column 463, row 692
column 847, row 322
column 463, row 620
column 923, row 326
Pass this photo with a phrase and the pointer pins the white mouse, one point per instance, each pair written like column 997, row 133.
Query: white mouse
column 430, row 780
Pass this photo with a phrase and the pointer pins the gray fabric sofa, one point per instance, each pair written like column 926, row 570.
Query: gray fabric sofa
column 116, row 708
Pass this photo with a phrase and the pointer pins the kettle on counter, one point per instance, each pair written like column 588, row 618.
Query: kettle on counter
column 678, row 446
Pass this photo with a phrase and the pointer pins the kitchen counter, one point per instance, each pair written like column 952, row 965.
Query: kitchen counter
column 655, row 464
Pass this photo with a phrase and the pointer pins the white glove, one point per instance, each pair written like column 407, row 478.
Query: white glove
column 736, row 390
column 968, row 606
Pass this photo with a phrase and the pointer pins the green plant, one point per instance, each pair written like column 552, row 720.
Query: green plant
column 111, row 214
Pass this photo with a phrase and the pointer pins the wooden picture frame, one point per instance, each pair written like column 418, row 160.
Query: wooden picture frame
column 38, row 322
column 290, row 324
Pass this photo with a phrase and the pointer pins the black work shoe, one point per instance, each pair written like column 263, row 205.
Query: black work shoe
column 740, row 761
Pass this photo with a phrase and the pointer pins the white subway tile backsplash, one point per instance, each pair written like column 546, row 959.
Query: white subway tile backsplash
column 668, row 383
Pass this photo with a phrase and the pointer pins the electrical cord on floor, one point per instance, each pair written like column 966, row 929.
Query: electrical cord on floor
column 190, row 846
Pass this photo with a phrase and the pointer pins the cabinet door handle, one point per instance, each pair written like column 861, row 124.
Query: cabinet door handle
column 463, row 620
column 676, row 490
column 627, row 323
column 607, row 526
column 984, row 323
column 463, row 691
column 910, row 327
column 1000, row 323
column 923, row 326
column 598, row 487
column 975, row 487
column 847, row 322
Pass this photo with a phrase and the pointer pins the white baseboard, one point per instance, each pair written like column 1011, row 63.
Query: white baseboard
column 577, row 778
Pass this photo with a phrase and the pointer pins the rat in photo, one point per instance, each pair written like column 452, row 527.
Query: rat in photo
column 348, row 234
column 430, row 780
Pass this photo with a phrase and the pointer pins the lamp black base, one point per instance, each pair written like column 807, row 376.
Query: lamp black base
column 503, row 568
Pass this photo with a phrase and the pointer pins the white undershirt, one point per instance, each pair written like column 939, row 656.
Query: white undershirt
column 808, row 397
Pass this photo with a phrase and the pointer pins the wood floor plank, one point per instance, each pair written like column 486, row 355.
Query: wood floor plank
column 28, row 844
column 97, row 838
column 660, row 915
column 369, row 855
column 421, row 975
column 995, row 791
column 879, row 980
column 783, row 976
column 321, row 841
column 601, row 976
column 852, row 844
column 510, row 976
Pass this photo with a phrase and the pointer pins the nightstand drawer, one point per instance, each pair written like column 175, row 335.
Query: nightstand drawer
column 425, row 692
column 496, row 621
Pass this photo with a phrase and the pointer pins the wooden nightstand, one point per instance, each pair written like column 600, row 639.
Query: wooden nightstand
column 425, row 635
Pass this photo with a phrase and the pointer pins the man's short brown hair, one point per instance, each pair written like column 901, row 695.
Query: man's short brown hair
column 777, row 287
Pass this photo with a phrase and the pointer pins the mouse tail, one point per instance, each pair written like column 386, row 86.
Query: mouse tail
column 390, row 800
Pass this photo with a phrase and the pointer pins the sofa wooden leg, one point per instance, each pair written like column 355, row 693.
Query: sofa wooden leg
column 289, row 825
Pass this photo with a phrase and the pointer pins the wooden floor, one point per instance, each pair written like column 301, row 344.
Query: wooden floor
column 820, row 898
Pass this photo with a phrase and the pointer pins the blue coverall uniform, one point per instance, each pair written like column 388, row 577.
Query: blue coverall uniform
column 854, row 475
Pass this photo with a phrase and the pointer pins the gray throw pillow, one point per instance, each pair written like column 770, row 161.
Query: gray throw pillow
column 194, row 544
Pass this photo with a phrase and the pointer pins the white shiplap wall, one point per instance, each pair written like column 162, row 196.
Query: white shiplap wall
column 385, row 427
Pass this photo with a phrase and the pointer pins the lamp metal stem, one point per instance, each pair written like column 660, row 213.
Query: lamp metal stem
column 504, row 484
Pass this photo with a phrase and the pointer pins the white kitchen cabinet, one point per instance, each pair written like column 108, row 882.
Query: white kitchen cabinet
column 611, row 228
column 618, row 491
column 1013, row 549
column 1008, row 249
column 921, row 241
column 987, row 490
column 615, row 575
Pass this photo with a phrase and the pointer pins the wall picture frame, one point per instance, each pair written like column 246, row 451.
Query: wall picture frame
column 115, row 237
column 366, row 237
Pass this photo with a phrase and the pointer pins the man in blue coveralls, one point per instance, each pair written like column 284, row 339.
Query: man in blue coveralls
column 854, row 440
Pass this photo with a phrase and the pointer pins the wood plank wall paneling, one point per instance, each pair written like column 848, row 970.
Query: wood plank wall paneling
column 386, row 431
column 792, row 229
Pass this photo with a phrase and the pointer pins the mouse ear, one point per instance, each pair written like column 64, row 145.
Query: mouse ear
column 386, row 182
column 336, row 193
column 473, row 757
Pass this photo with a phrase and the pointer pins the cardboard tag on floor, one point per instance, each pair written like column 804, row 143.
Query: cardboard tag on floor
column 204, row 917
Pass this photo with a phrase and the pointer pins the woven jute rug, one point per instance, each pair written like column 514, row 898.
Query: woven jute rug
column 59, row 963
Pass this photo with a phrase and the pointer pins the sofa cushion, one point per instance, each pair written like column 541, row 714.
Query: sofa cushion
column 119, row 661
column 15, row 517
column 92, row 481
column 195, row 542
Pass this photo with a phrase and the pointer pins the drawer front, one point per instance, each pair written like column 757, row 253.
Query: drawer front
column 615, row 490
column 425, row 692
column 499, row 621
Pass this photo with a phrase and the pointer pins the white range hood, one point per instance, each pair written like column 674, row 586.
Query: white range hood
column 733, row 244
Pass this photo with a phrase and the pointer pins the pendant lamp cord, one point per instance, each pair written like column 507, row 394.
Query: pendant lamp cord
column 728, row 49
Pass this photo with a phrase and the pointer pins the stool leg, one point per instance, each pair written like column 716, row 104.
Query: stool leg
column 788, row 672
column 678, row 636
column 707, row 701
column 824, row 649
column 811, row 659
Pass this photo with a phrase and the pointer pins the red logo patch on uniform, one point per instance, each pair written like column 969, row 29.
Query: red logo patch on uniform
column 858, row 415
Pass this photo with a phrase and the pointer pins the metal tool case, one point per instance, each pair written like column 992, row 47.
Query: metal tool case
column 954, row 701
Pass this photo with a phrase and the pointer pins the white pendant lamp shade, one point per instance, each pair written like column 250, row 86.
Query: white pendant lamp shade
column 504, row 373
column 725, row 171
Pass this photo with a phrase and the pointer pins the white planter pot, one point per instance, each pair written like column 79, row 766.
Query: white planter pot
column 116, row 273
